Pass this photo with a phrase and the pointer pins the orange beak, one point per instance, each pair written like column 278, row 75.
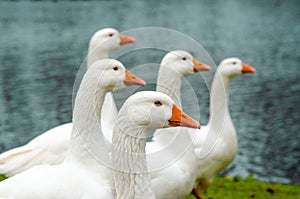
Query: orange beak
column 247, row 68
column 131, row 80
column 198, row 66
column 179, row 118
column 125, row 39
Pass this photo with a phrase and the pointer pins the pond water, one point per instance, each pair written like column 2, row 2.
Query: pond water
column 42, row 45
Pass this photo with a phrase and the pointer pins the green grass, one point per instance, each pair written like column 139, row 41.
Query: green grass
column 238, row 188
column 2, row 177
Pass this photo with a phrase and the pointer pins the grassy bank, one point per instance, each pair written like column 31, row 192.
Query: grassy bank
column 2, row 177
column 238, row 188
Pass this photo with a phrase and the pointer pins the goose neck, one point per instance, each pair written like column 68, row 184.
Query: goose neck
column 87, row 141
column 95, row 54
column 169, row 83
column 219, row 98
column 131, row 175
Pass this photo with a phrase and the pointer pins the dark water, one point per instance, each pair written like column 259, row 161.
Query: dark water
column 43, row 43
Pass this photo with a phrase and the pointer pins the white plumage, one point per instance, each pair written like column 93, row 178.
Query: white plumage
column 177, row 179
column 216, row 143
column 83, row 173
column 50, row 147
column 142, row 112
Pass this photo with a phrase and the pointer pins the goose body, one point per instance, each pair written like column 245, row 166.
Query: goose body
column 83, row 173
column 59, row 181
column 51, row 146
column 142, row 112
column 177, row 179
column 216, row 143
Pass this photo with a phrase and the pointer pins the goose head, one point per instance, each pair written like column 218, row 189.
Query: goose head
column 109, row 40
column 233, row 67
column 153, row 110
column 112, row 75
column 183, row 63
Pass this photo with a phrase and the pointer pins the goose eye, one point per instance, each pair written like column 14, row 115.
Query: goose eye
column 157, row 103
column 184, row 58
column 110, row 34
column 234, row 63
column 116, row 68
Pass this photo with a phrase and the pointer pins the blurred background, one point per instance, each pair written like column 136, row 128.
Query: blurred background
column 42, row 44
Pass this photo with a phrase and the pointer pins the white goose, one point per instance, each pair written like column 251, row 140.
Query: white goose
column 81, row 174
column 142, row 112
column 216, row 143
column 51, row 146
column 176, row 180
